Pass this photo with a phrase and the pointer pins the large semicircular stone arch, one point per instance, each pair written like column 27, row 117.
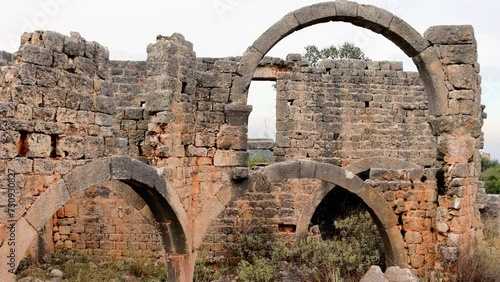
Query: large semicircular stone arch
column 145, row 180
column 367, row 16
column 378, row 207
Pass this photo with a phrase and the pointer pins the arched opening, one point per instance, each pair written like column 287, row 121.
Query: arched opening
column 380, row 211
column 143, row 179
column 367, row 16
column 343, row 217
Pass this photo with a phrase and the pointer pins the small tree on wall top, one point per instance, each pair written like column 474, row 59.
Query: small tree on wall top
column 344, row 51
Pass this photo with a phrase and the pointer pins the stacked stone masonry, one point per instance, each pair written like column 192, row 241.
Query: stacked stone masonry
column 166, row 140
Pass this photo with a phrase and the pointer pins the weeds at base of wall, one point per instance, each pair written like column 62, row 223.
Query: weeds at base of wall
column 83, row 268
column 261, row 257
column 482, row 263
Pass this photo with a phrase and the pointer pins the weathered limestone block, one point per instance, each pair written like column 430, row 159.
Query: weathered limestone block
column 71, row 147
column 74, row 46
column 205, row 140
column 230, row 158
column 309, row 15
column 8, row 144
column 232, row 137
column 84, row 65
column 39, row 145
column 104, row 105
column 347, row 9
column 76, row 82
column 65, row 115
column 225, row 66
column 456, row 126
column 458, row 54
column 159, row 102
column 463, row 95
column 23, row 112
column 450, row 34
column 461, row 170
column 462, row 76
column 94, row 147
column 36, row 55
column 378, row 19
column 275, row 33
column 103, row 119
column 134, row 113
column 46, row 77
column 237, row 114
column 406, row 37
column 6, row 58
column 456, row 149
column 54, row 98
column 240, row 173
column 43, row 166
column 116, row 146
column 21, row 165
column 27, row 74
column 53, row 41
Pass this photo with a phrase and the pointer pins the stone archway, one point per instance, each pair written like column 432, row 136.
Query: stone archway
column 380, row 210
column 375, row 19
column 145, row 180
column 356, row 168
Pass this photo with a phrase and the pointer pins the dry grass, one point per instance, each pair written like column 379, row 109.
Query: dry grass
column 482, row 264
column 78, row 268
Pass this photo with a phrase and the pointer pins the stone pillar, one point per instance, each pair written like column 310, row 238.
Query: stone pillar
column 459, row 140
column 181, row 268
column 170, row 106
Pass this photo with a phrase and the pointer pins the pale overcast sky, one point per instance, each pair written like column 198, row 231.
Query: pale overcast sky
column 220, row 28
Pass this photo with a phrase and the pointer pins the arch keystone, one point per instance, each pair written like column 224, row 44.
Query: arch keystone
column 346, row 9
column 307, row 169
column 316, row 13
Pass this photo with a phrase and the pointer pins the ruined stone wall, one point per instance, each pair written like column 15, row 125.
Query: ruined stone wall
column 129, row 82
column 459, row 141
column 108, row 221
column 56, row 111
column 186, row 119
column 346, row 110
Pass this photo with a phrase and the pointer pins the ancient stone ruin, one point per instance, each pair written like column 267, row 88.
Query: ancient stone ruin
column 158, row 148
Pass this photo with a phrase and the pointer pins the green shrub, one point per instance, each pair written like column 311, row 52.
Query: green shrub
column 491, row 177
column 259, row 270
column 204, row 271
column 255, row 254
